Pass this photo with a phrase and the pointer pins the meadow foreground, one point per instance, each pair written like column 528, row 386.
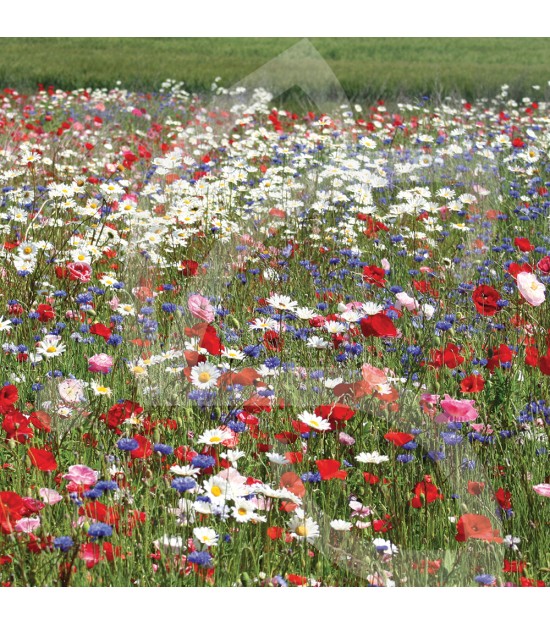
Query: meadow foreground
column 246, row 346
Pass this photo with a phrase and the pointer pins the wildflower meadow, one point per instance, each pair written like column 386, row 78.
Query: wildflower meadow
column 249, row 346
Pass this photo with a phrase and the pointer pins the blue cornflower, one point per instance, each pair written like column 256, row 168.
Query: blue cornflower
column 311, row 477
column 405, row 458
column 202, row 461
column 165, row 450
column 100, row 530
column 451, row 438
column 202, row 558
column 127, row 444
column 252, row 351
column 64, row 543
column 106, row 485
column 183, row 484
column 485, row 579
column 94, row 493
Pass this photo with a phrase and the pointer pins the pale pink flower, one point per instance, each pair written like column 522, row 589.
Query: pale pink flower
column 100, row 363
column 71, row 391
column 372, row 375
column 114, row 303
column 50, row 496
column 82, row 475
column 542, row 489
column 457, row 410
column 346, row 439
column 27, row 525
column 201, row 308
column 405, row 301
column 385, row 264
column 530, row 288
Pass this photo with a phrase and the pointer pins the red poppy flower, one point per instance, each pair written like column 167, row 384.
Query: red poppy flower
column 210, row 341
column 16, row 426
column 528, row 582
column 399, row 438
column 293, row 483
column 425, row 492
column 476, row 526
column 100, row 512
column 531, row 356
column 449, row 357
column 189, row 267
column 379, row 325
column 472, row 384
column 544, row 264
column 42, row 459
column 544, row 363
column 382, row 525
column 498, row 355
column 275, row 532
column 374, row 275
column 476, row 488
column 118, row 413
column 523, row 244
column 330, row 469
column 273, row 341
column 297, row 580
column 8, row 396
column 145, row 448
column 100, row 330
column 485, row 300
column 370, row 478
column 504, row 499
column 12, row 508
column 45, row 313
column 513, row 566
column 515, row 268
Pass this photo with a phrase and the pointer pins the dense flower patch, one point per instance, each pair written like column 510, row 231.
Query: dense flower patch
column 245, row 346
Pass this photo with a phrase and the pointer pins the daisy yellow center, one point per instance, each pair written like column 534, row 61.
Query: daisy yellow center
column 301, row 530
column 27, row 250
column 242, row 511
column 216, row 491
column 102, row 389
column 51, row 349
column 215, row 439
column 314, row 423
column 138, row 369
column 81, row 257
column 204, row 376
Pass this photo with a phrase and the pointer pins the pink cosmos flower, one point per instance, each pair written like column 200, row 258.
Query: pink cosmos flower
column 27, row 525
column 50, row 496
column 530, row 288
column 80, row 474
column 100, row 363
column 201, row 308
column 542, row 489
column 457, row 410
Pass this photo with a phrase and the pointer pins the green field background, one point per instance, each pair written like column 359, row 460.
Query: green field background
column 367, row 68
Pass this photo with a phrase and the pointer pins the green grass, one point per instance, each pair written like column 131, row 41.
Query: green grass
column 366, row 68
